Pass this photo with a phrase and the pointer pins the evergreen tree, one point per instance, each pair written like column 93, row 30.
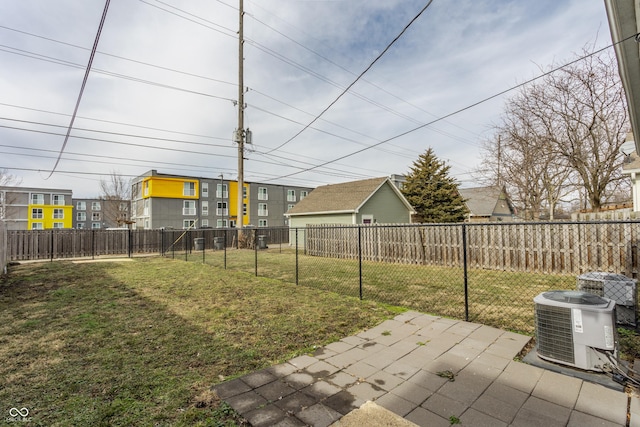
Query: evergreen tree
column 432, row 192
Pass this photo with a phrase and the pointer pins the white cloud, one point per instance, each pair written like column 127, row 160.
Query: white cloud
column 455, row 54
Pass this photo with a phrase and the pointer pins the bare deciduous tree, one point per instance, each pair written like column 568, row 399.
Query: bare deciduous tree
column 7, row 180
column 561, row 134
column 115, row 193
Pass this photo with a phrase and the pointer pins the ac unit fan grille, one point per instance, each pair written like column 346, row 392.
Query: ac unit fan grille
column 553, row 329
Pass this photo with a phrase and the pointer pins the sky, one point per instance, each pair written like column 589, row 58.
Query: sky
column 162, row 92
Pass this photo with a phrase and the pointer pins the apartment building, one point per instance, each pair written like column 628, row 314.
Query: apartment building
column 175, row 201
column 27, row 208
column 100, row 213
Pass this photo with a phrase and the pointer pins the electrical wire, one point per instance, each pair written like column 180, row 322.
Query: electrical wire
column 45, row 58
column 128, row 135
column 84, row 83
column 468, row 107
column 357, row 78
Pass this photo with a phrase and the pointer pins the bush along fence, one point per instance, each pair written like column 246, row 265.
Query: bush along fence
column 487, row 273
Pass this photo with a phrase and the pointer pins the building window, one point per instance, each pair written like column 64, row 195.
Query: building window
column 81, row 206
column 204, row 223
column 124, row 207
column 303, row 194
column 205, row 189
column 58, row 225
column 291, row 195
column 289, row 207
column 189, row 189
column 145, row 188
column 221, row 210
column 36, row 213
column 81, row 216
column 145, row 207
column 262, row 209
column 205, row 207
column 95, row 225
column 262, row 193
column 95, row 216
column 58, row 199
column 188, row 207
column 95, row 206
column 37, row 199
column 80, row 226
column 221, row 191
column 188, row 223
column 58, row 213
column 37, row 226
column 262, row 223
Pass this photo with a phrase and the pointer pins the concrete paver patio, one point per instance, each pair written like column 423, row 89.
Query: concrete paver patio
column 429, row 371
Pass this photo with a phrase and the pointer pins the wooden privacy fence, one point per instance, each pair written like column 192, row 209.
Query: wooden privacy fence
column 50, row 244
column 3, row 248
column 553, row 247
column 23, row 245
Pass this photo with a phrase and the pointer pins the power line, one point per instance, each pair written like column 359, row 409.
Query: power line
column 475, row 104
column 84, row 83
column 45, row 58
column 357, row 78
column 117, row 133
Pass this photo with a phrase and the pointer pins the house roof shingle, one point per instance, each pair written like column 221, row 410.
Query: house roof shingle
column 344, row 197
column 481, row 201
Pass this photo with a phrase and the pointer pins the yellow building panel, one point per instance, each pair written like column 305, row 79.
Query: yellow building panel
column 233, row 202
column 50, row 216
column 170, row 188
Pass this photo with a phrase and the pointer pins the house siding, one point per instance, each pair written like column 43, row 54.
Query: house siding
column 385, row 207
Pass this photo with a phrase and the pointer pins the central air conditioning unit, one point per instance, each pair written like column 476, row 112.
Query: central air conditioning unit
column 617, row 287
column 576, row 328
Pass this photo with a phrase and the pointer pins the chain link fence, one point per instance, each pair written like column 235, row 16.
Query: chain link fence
column 487, row 273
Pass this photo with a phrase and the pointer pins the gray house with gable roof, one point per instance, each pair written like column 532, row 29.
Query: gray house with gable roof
column 369, row 201
column 488, row 204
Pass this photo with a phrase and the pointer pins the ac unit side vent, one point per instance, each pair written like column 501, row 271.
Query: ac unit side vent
column 554, row 334
column 591, row 286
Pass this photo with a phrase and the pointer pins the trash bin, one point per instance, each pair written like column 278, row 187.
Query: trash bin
column 218, row 243
column 262, row 242
column 198, row 243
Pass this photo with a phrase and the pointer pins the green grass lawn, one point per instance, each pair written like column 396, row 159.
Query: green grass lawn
column 142, row 342
column 503, row 299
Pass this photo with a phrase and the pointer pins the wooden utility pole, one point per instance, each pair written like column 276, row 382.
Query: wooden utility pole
column 240, row 135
